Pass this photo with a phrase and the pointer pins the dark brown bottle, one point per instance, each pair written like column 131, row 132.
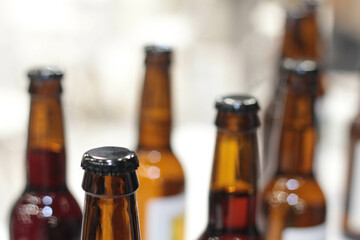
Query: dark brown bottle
column 233, row 189
column 352, row 203
column 46, row 210
column 293, row 204
column 301, row 41
column 301, row 38
column 110, row 184
column 161, row 193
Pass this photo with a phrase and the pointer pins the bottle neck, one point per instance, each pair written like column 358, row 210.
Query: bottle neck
column 110, row 207
column 298, row 134
column 233, row 182
column 45, row 144
column 301, row 37
column 155, row 110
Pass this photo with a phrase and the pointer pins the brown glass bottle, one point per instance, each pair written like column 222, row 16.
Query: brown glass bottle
column 233, row 188
column 161, row 192
column 301, row 40
column 352, row 204
column 110, row 184
column 46, row 210
column 293, row 204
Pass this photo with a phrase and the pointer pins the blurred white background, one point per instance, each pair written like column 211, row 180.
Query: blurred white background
column 221, row 46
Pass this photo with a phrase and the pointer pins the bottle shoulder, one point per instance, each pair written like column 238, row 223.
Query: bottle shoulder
column 162, row 158
column 60, row 204
column 282, row 188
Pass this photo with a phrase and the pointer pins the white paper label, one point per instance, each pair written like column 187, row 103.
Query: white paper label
column 306, row 233
column 354, row 207
column 165, row 218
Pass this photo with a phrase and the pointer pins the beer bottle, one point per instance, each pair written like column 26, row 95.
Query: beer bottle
column 233, row 188
column 46, row 210
column 161, row 177
column 352, row 206
column 301, row 40
column 110, row 183
column 293, row 204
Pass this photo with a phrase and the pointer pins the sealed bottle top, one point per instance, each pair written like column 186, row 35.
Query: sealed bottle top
column 304, row 66
column 158, row 54
column 45, row 73
column 109, row 161
column 237, row 103
column 301, row 76
column 237, row 112
column 299, row 8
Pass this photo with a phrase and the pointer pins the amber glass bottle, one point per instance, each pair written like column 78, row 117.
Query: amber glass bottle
column 293, row 204
column 161, row 192
column 352, row 203
column 46, row 210
column 233, row 188
column 110, row 184
column 301, row 40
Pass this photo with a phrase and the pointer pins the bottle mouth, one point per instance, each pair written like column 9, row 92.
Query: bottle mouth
column 299, row 8
column 241, row 103
column 45, row 73
column 157, row 49
column 158, row 54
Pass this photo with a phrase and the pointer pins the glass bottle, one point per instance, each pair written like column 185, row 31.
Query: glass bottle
column 293, row 205
column 301, row 40
column 110, row 185
column 352, row 207
column 46, row 210
column 233, row 188
column 161, row 177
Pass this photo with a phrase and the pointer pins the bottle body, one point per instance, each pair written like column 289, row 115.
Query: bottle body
column 161, row 194
column 41, row 215
column 351, row 219
column 46, row 210
column 293, row 204
column 161, row 198
column 294, row 208
column 233, row 188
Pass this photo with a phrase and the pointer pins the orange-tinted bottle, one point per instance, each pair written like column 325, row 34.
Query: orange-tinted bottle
column 352, row 203
column 110, row 184
column 293, row 205
column 301, row 41
column 46, row 210
column 161, row 193
column 233, row 189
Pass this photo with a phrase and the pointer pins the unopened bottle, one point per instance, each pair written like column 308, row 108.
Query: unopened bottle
column 110, row 183
column 161, row 193
column 293, row 204
column 46, row 210
column 233, row 188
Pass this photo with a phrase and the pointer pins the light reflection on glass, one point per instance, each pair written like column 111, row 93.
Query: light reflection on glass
column 47, row 200
column 154, row 156
column 47, row 211
column 153, row 172
column 31, row 209
column 292, row 199
column 32, row 199
column 292, row 184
